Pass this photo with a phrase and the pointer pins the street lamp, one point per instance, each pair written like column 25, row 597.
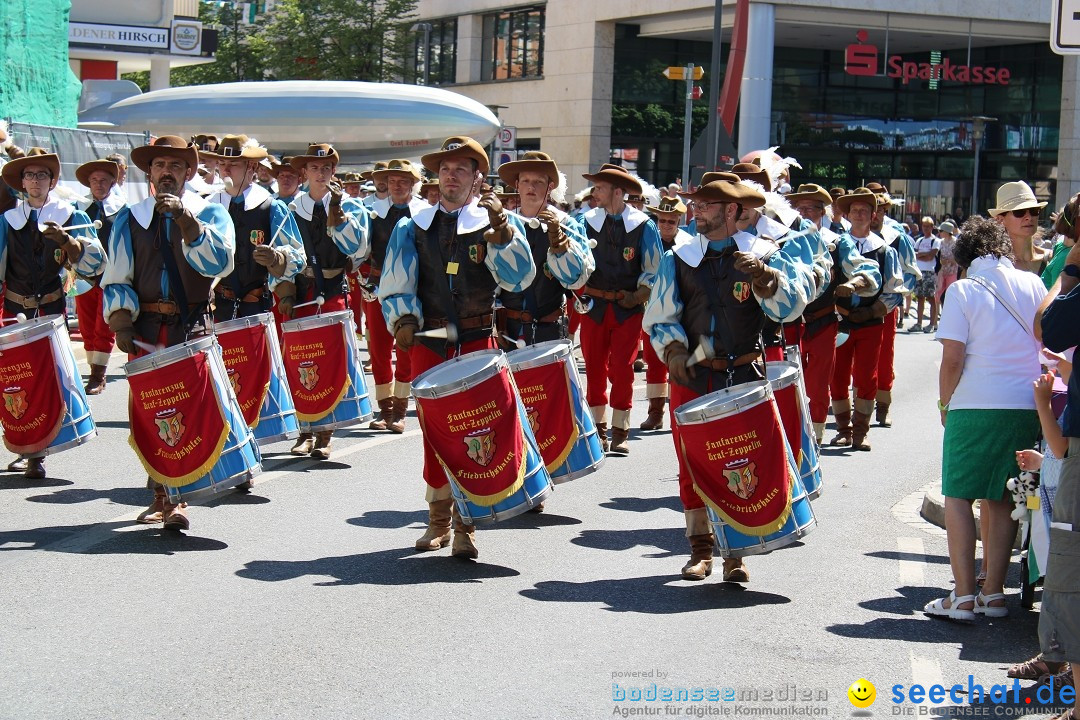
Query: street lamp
column 978, row 130
column 426, row 29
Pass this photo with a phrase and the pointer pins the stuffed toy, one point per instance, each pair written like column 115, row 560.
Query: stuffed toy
column 1022, row 487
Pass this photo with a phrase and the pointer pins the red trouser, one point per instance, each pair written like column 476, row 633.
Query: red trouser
column 423, row 359
column 356, row 301
column 819, row 353
column 98, row 339
column 858, row 358
column 609, row 350
column 380, row 346
column 680, row 394
column 885, row 374
column 655, row 369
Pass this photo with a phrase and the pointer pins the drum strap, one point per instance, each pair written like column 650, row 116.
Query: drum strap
column 318, row 231
column 176, row 283
column 236, row 209
column 448, row 243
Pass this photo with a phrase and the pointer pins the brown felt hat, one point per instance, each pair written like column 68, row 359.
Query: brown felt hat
column 396, row 166
column 13, row 171
column 84, row 171
column 316, row 151
column 862, row 194
column 171, row 145
column 276, row 166
column 884, row 198
column 458, row 146
column 715, row 175
column 235, row 146
column 727, row 191
column 754, row 173
column 617, row 176
column 351, row 178
column 837, row 191
column 810, row 191
column 668, row 205
column 205, row 143
column 532, row 161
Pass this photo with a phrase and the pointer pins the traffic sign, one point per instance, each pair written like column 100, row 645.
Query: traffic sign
column 507, row 138
column 679, row 73
column 1065, row 27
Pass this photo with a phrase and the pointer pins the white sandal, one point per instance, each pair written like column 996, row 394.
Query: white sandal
column 983, row 606
column 937, row 608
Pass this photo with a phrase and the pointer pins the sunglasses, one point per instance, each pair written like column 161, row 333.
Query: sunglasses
column 1033, row 212
column 667, row 222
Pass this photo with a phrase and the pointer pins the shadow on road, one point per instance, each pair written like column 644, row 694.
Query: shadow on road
column 644, row 505
column 656, row 595
column 390, row 519
column 671, row 540
column 121, row 496
column 399, row 566
column 914, row 557
column 113, row 424
column 150, row 540
column 18, row 482
column 532, row 521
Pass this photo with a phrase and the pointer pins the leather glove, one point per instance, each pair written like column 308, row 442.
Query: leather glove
column 121, row 324
column 71, row 247
column 336, row 215
column 404, row 330
column 499, row 233
column 675, row 356
column 845, row 290
column 285, row 306
column 636, row 298
column 268, row 257
column 558, row 240
column 750, row 264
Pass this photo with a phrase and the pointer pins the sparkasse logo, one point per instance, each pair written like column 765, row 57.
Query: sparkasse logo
column 861, row 60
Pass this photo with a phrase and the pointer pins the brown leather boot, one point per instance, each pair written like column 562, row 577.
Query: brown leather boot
column 618, row 441
column 735, row 570
column 699, row 566
column 601, row 431
column 397, row 417
column 464, row 539
column 321, row 451
column 655, row 420
column 175, row 517
column 883, row 415
column 437, row 534
column 843, row 430
column 304, row 444
column 860, row 426
column 386, row 412
column 96, row 382
column 35, row 468
column 156, row 512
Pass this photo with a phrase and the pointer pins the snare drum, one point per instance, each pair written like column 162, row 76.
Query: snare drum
column 186, row 423
column 547, row 380
column 252, row 358
column 786, row 380
column 472, row 417
column 322, row 363
column 730, row 440
column 45, row 407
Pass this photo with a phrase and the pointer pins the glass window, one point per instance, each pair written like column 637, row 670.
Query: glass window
column 513, row 44
column 442, row 53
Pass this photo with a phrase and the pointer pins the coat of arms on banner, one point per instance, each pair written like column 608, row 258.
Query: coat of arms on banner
column 234, row 380
column 534, row 419
column 741, row 291
column 742, row 478
column 481, row 446
column 309, row 374
column 170, row 426
column 15, row 401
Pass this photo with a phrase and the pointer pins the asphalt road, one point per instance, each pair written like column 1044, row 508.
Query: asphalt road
column 305, row 598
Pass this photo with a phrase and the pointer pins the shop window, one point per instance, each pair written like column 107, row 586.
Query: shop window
column 513, row 44
column 442, row 52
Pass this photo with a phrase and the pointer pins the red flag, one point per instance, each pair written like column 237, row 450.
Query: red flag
column 545, row 392
column 317, row 368
column 33, row 406
column 247, row 360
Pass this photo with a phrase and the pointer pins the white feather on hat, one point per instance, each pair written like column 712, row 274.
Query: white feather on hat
column 558, row 195
column 776, row 205
column 579, row 197
column 774, row 165
column 648, row 191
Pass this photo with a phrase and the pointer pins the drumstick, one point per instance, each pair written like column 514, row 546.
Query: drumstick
column 317, row 301
column 518, row 342
column 704, row 351
column 147, row 346
column 448, row 333
column 17, row 319
column 96, row 225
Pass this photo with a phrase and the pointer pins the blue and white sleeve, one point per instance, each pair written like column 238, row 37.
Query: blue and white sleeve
column 893, row 280
column 118, row 279
column 512, row 264
column 793, row 290
column 651, row 252
column 665, row 308
column 351, row 236
column 573, row 268
column 397, row 284
column 286, row 238
column 854, row 264
column 908, row 268
column 92, row 259
column 212, row 253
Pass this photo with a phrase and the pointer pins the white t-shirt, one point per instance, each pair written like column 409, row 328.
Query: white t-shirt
column 926, row 244
column 1001, row 359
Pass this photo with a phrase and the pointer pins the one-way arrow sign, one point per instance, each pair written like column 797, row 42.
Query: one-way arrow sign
column 1065, row 27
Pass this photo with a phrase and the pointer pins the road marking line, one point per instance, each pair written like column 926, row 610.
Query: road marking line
column 912, row 572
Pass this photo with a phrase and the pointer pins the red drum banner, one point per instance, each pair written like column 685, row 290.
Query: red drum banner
column 33, row 407
column 545, row 392
column 740, row 468
column 178, row 428
column 478, row 438
column 247, row 360
column 316, row 363
column 787, row 401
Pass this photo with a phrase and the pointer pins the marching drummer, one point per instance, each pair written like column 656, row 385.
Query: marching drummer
column 35, row 248
column 559, row 251
column 164, row 254
column 440, row 273
column 392, row 382
column 717, row 290
column 103, row 205
column 334, row 229
column 269, row 250
column 288, row 180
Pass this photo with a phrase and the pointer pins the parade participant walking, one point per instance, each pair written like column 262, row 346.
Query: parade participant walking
column 164, row 254
column 850, row 274
column 288, row 180
column 669, row 213
column 101, row 176
column 269, row 247
column 35, row 248
column 694, row 292
column 392, row 382
column 627, row 254
column 382, row 191
column 334, row 229
column 442, row 267
column 863, row 319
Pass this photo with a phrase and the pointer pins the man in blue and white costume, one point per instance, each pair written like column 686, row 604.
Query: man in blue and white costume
column 164, row 254
column 720, row 287
column 35, row 248
column 442, row 267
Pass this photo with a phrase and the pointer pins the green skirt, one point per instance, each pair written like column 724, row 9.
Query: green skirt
column 979, row 451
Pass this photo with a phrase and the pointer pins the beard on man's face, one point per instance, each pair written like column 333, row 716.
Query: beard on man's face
column 167, row 184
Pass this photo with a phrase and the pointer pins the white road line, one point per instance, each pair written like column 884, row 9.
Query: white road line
column 912, row 571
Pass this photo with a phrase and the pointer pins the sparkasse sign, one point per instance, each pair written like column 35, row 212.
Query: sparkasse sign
column 861, row 59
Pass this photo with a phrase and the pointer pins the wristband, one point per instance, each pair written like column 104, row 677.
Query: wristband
column 942, row 407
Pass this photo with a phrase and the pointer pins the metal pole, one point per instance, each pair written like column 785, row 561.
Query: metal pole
column 686, row 129
column 713, row 141
column 427, row 53
column 975, row 180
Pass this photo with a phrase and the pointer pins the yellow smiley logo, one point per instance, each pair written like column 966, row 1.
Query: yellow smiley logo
column 862, row 693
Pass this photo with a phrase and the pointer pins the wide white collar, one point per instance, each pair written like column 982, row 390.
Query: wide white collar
column 692, row 251
column 381, row 206
column 111, row 205
column 868, row 244
column 828, row 237
column 632, row 217
column 144, row 211
column 254, row 196
column 681, row 238
column 767, row 228
column 303, row 204
column 470, row 218
column 54, row 210
column 890, row 233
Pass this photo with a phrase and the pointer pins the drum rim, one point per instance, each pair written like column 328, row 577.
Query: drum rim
column 696, row 416
column 432, row 392
column 169, row 355
column 789, row 377
column 337, row 317
column 243, row 322
column 547, row 358
column 30, row 330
